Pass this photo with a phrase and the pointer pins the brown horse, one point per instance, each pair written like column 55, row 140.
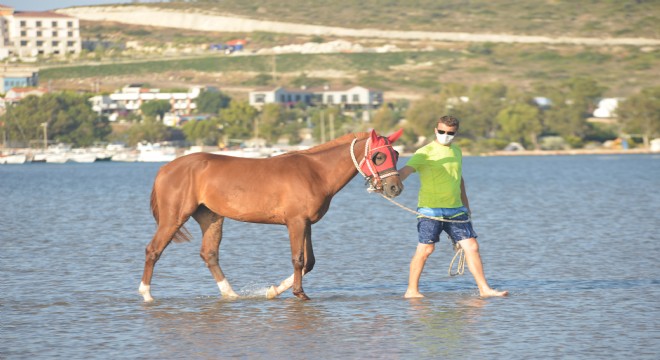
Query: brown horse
column 293, row 189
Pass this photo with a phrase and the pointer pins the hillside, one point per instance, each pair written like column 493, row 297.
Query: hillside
column 551, row 18
column 199, row 20
column 515, row 42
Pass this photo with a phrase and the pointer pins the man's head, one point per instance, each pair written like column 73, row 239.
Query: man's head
column 449, row 121
column 446, row 129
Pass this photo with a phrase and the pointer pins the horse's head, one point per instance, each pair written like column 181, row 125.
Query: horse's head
column 379, row 164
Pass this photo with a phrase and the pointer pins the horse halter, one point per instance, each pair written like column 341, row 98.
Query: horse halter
column 367, row 167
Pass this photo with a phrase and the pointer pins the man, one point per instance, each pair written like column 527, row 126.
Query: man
column 442, row 194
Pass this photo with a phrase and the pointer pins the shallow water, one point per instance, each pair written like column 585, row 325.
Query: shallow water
column 574, row 239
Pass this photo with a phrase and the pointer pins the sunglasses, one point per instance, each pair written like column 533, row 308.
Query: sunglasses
column 442, row 132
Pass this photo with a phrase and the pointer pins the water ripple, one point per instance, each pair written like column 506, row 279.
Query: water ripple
column 574, row 240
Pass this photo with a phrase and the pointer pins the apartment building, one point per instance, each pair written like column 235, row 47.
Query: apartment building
column 26, row 35
column 131, row 97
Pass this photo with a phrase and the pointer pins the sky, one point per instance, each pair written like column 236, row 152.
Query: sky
column 43, row 5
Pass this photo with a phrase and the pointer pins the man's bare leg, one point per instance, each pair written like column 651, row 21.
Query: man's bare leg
column 416, row 266
column 473, row 260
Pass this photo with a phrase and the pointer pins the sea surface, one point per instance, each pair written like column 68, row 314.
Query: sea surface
column 575, row 239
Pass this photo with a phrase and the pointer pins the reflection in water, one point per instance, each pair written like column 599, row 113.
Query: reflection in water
column 270, row 328
column 444, row 329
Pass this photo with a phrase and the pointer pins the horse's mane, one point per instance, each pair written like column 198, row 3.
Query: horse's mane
column 336, row 142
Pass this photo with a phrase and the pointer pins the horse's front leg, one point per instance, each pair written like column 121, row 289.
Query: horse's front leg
column 302, row 258
column 275, row 291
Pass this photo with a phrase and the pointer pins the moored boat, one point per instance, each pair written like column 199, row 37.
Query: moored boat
column 13, row 159
column 156, row 153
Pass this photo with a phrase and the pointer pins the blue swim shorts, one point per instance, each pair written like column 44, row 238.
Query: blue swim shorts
column 429, row 230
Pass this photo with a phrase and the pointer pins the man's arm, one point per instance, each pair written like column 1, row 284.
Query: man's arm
column 405, row 171
column 464, row 197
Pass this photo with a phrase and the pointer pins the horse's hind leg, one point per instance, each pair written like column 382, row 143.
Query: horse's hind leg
column 211, row 225
column 161, row 239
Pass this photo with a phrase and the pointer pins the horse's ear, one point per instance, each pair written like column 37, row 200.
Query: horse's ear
column 394, row 137
column 374, row 136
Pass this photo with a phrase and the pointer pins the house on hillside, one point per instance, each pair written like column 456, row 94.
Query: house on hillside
column 28, row 34
column 280, row 95
column 349, row 98
column 18, row 76
column 352, row 98
column 17, row 94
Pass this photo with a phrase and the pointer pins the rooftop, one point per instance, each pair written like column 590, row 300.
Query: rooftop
column 40, row 14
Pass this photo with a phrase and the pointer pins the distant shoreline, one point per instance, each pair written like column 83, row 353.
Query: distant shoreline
column 568, row 152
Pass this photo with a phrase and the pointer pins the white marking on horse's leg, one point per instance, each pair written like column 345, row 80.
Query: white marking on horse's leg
column 274, row 292
column 226, row 290
column 145, row 291
column 271, row 293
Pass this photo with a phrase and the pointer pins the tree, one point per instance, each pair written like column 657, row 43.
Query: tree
column 479, row 113
column 210, row 102
column 384, row 120
column 520, row 122
column 238, row 120
column 68, row 116
column 271, row 122
column 572, row 104
column 156, row 108
column 640, row 113
column 150, row 129
column 330, row 121
column 203, row 132
column 424, row 114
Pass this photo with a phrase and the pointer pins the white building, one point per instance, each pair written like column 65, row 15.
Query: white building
column 606, row 108
column 354, row 97
column 28, row 34
column 280, row 95
column 131, row 97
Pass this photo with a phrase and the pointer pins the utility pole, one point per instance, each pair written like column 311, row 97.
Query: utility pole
column 322, row 126
column 332, row 125
column 274, row 69
column 256, row 131
column 45, row 125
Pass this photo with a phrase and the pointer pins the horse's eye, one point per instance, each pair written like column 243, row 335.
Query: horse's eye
column 379, row 158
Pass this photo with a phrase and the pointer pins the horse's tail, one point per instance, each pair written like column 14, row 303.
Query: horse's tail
column 181, row 235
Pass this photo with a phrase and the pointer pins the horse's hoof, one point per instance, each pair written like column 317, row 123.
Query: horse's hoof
column 301, row 296
column 271, row 293
column 231, row 295
column 145, row 291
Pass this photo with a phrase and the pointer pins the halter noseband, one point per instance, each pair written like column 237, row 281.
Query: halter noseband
column 376, row 185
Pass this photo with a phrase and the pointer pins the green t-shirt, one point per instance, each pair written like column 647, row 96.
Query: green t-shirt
column 439, row 168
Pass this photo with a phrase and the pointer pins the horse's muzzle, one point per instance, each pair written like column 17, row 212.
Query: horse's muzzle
column 393, row 189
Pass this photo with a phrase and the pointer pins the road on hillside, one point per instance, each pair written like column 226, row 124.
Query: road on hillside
column 140, row 15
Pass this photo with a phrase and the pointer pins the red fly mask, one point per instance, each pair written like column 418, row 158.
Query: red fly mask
column 379, row 160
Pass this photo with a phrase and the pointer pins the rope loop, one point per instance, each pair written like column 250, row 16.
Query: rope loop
column 460, row 266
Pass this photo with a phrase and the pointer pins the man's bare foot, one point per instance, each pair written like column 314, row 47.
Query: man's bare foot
column 493, row 292
column 413, row 295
